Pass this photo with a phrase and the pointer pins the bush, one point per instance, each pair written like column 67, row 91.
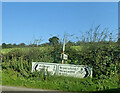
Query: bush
column 104, row 59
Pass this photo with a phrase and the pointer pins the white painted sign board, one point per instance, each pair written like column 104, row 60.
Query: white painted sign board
column 37, row 66
column 64, row 56
column 79, row 71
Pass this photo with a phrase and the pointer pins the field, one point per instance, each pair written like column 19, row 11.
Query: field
column 7, row 50
column 16, row 65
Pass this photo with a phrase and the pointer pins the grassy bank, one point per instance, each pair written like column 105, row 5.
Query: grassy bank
column 13, row 78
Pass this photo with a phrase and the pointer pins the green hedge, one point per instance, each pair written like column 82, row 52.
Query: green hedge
column 104, row 59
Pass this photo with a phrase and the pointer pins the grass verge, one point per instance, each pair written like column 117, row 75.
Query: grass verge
column 61, row 83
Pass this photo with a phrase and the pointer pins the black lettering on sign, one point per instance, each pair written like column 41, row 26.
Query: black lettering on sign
column 87, row 73
column 36, row 66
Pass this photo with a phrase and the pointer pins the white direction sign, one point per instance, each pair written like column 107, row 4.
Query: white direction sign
column 64, row 56
column 79, row 71
column 72, row 70
column 38, row 66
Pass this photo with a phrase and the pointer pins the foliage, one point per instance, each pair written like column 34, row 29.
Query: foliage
column 103, row 59
column 118, row 41
column 54, row 40
column 38, row 80
column 4, row 45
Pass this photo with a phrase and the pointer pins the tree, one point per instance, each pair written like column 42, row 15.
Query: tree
column 4, row 45
column 69, row 43
column 54, row 40
column 9, row 46
column 118, row 41
column 44, row 44
column 22, row 45
column 14, row 45
column 78, row 43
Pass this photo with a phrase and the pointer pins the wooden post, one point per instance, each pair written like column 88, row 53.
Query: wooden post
column 63, row 50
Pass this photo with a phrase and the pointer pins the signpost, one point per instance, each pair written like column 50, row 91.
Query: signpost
column 63, row 50
column 79, row 71
column 63, row 55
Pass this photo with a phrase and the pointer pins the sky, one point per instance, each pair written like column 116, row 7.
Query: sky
column 23, row 22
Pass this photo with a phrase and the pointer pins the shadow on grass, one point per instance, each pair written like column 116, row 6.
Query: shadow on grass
column 108, row 91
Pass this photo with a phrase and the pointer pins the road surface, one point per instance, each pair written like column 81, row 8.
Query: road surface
column 10, row 88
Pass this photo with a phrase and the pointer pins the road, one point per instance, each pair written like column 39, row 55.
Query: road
column 10, row 88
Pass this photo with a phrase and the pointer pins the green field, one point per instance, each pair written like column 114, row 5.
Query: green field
column 6, row 50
